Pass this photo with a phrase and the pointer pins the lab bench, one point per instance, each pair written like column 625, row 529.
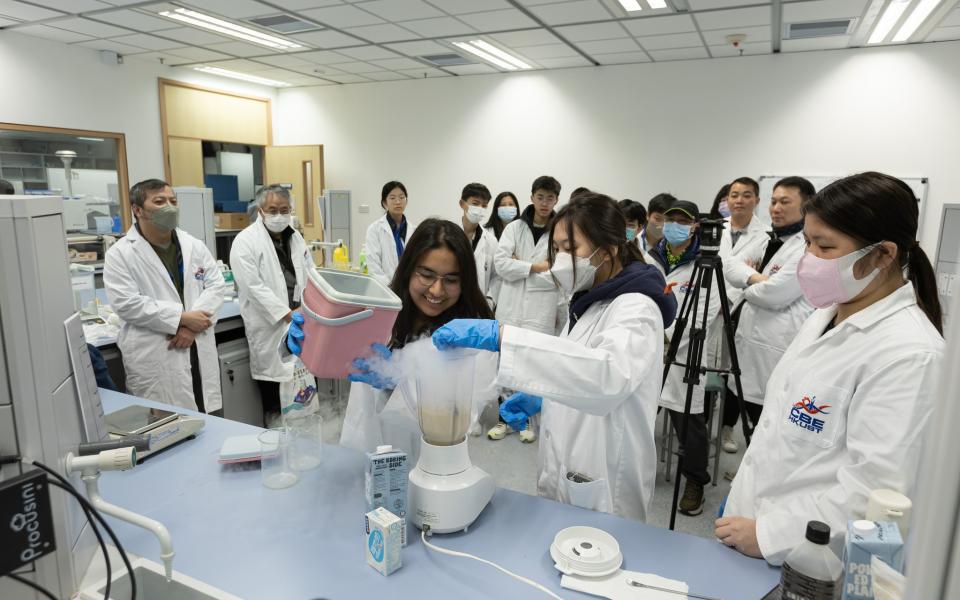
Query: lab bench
column 307, row 541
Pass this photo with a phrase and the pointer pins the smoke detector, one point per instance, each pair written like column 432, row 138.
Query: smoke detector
column 736, row 40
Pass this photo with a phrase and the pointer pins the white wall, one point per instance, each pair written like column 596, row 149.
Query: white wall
column 635, row 130
column 56, row 85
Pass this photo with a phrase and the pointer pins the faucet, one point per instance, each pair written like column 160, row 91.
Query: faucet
column 119, row 459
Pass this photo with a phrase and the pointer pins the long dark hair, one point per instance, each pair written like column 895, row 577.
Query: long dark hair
column 601, row 221
column 872, row 207
column 389, row 187
column 495, row 221
column 715, row 209
column 430, row 235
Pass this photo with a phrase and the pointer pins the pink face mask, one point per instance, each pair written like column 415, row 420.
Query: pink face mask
column 826, row 282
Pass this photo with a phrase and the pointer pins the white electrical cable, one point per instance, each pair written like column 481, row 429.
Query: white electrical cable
column 530, row 582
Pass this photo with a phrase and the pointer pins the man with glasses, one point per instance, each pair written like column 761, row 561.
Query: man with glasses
column 165, row 286
column 270, row 261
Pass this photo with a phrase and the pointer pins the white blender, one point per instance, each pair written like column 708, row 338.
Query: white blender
column 447, row 492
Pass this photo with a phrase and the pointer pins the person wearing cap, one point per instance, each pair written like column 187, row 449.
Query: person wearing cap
column 676, row 255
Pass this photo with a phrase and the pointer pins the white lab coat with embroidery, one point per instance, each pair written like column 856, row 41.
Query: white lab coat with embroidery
column 529, row 300
column 772, row 313
column 382, row 259
column 874, row 377
column 484, row 254
column 600, row 383
column 262, row 292
column 142, row 294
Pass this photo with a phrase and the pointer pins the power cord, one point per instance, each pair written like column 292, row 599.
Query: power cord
column 530, row 582
column 96, row 532
column 33, row 585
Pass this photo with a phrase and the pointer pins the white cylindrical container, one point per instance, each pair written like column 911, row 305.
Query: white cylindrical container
column 812, row 571
column 890, row 505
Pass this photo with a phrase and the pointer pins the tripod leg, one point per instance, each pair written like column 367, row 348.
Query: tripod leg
column 734, row 360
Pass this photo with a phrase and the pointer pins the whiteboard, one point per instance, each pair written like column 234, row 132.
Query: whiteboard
column 917, row 184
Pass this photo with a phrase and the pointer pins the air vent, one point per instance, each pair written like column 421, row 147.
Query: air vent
column 283, row 23
column 447, row 60
column 815, row 29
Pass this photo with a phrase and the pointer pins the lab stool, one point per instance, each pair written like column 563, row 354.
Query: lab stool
column 715, row 387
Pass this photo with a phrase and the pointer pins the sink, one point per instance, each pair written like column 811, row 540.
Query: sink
column 152, row 584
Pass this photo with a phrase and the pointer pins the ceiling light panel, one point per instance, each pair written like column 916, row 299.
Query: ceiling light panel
column 241, row 76
column 247, row 34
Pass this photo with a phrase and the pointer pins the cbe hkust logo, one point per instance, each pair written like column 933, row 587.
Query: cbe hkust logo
column 803, row 414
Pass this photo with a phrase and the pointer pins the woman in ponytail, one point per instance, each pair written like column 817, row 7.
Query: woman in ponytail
column 847, row 406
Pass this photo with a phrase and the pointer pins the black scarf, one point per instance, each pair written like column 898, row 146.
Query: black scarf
column 635, row 278
column 527, row 217
column 777, row 237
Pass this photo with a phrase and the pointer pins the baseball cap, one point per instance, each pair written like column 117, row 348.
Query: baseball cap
column 686, row 207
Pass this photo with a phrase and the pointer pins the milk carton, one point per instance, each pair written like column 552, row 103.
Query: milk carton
column 383, row 540
column 864, row 540
column 385, row 483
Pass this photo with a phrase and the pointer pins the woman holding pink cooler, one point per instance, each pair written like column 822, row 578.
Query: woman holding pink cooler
column 847, row 406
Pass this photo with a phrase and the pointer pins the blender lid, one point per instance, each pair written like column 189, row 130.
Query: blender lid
column 585, row 551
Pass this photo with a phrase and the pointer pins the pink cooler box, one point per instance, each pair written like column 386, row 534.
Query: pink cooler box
column 343, row 313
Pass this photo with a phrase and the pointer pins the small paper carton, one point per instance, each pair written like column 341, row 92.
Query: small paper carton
column 866, row 539
column 383, row 540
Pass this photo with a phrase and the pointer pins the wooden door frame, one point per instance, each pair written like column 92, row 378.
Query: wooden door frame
column 123, row 178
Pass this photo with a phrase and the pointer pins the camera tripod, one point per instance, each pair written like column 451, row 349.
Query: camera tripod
column 707, row 268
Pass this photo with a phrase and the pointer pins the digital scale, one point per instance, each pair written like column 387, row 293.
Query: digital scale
column 164, row 428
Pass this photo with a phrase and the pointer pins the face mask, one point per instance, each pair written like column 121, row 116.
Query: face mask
column 676, row 233
column 724, row 209
column 563, row 272
column 826, row 282
column 276, row 223
column 631, row 234
column 164, row 218
column 475, row 214
column 507, row 213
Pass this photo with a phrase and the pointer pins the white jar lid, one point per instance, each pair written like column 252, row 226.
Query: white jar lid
column 585, row 551
column 863, row 526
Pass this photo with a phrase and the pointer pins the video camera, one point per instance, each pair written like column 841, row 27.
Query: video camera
column 711, row 230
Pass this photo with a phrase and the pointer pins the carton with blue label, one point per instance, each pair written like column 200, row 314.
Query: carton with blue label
column 383, row 540
column 385, row 483
column 866, row 539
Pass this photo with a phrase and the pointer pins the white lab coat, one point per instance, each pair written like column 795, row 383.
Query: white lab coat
column 262, row 292
column 528, row 300
column 674, row 395
column 143, row 296
column 495, row 282
column 484, row 254
column 874, row 375
column 599, row 383
column 382, row 259
column 772, row 313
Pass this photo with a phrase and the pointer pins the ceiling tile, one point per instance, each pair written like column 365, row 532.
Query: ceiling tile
column 823, row 43
column 951, row 20
column 299, row 78
column 396, row 64
column 357, row 67
column 572, row 12
column 26, row 12
column 660, row 25
column 4, row 22
column 547, row 51
column 307, row 4
column 609, row 46
column 321, row 58
column 498, row 20
column 383, row 33
column 419, row 48
column 147, row 41
column 320, row 71
column 675, row 40
column 718, row 37
column 285, row 61
column 157, row 58
column 708, row 4
column 741, row 17
column 439, row 26
column 52, row 33
column 233, row 9
column 193, row 36
column 588, row 33
column 135, row 20
column 477, row 69
column 278, row 74
column 459, row 7
column 112, row 46
column 680, row 54
column 536, row 2
column 197, row 53
column 749, row 48
column 368, row 53
column 386, row 76
column 622, row 58
column 79, row 25
column 241, row 49
column 327, row 39
column 342, row 16
column 821, row 10
column 940, row 34
column 401, row 10
column 122, row 2
column 531, row 37
column 563, row 63
column 241, row 65
column 421, row 72
column 74, row 6
column 347, row 78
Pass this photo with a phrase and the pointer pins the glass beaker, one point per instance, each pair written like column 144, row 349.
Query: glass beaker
column 275, row 470
column 442, row 388
column 306, row 440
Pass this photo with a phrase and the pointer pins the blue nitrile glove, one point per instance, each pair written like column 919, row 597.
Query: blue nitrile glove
column 516, row 409
column 482, row 334
column 295, row 334
column 367, row 369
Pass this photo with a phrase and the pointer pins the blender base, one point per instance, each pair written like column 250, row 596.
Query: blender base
column 447, row 502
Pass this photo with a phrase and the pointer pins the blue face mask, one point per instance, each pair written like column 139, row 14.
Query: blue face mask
column 507, row 213
column 631, row 234
column 676, row 234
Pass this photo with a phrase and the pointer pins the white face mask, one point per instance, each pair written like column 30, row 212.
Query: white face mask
column 563, row 271
column 276, row 223
column 475, row 214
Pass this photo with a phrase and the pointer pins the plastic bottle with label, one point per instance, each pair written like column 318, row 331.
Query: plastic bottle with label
column 341, row 258
column 363, row 259
column 812, row 571
column 228, row 279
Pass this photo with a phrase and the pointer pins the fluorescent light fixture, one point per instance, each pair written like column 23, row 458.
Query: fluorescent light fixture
column 241, row 76
column 655, row 4
column 916, row 18
column 492, row 54
column 198, row 19
column 90, row 139
column 631, row 5
column 889, row 18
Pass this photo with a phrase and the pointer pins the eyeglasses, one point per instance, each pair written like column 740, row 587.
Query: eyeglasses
column 427, row 278
column 279, row 211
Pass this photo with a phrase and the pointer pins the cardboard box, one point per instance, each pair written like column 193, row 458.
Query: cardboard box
column 230, row 220
column 383, row 541
column 385, row 483
column 866, row 539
